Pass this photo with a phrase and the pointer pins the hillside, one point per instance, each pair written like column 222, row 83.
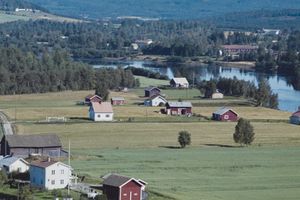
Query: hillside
column 170, row 9
column 11, row 5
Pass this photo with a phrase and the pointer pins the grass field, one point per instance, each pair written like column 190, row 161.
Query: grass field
column 212, row 168
column 145, row 82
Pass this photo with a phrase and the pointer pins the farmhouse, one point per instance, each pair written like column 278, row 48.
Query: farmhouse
column 13, row 164
column 156, row 100
column 295, row 118
column 50, row 175
column 92, row 98
column 179, row 108
column 225, row 114
column 26, row 145
column 217, row 95
column 117, row 101
column 152, row 91
column 179, row 83
column 101, row 111
column 117, row 187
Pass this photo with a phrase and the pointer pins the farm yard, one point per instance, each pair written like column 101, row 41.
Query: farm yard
column 142, row 143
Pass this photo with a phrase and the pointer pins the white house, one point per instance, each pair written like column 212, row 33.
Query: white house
column 179, row 83
column 13, row 164
column 50, row 175
column 156, row 100
column 101, row 111
column 217, row 95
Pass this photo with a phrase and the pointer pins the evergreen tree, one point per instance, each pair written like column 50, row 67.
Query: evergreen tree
column 184, row 138
column 244, row 132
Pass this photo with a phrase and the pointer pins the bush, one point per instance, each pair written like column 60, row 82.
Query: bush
column 244, row 132
column 184, row 138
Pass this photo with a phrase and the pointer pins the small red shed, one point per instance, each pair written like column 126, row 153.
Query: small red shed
column 117, row 101
column 225, row 114
column 179, row 108
column 92, row 98
column 117, row 187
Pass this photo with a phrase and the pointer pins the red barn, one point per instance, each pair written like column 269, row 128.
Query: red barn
column 117, row 101
column 179, row 108
column 117, row 187
column 225, row 114
column 92, row 98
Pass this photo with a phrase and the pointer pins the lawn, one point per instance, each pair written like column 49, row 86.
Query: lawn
column 145, row 82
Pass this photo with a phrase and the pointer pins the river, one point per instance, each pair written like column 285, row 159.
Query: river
column 288, row 97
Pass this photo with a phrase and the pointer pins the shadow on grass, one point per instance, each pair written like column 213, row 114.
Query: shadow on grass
column 222, row 145
column 8, row 196
column 170, row 147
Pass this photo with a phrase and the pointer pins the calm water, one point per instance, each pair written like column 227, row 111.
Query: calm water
column 289, row 98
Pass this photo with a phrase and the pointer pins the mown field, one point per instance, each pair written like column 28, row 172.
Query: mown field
column 146, row 147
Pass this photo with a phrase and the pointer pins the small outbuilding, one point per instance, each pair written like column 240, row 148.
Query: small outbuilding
column 116, row 101
column 295, row 118
column 156, row 100
column 225, row 114
column 179, row 108
column 101, row 111
column 179, row 82
column 12, row 164
column 50, row 175
column 117, row 187
column 92, row 98
column 217, row 95
column 152, row 91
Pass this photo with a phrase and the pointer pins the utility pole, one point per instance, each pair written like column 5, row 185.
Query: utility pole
column 69, row 163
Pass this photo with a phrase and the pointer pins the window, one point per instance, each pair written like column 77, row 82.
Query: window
column 135, row 194
column 107, row 116
column 99, row 116
column 124, row 194
column 53, row 182
column 62, row 171
column 62, row 182
column 53, row 172
column 226, row 117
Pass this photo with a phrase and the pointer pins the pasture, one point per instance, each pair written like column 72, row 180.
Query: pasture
column 212, row 168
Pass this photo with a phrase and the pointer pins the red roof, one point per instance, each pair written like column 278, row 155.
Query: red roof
column 296, row 114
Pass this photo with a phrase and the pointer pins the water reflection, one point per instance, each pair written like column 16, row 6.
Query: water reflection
column 289, row 98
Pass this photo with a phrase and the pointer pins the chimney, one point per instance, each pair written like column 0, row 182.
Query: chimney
column 49, row 159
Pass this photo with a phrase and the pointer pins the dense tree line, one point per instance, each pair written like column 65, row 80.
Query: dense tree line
column 147, row 73
column 262, row 94
column 26, row 73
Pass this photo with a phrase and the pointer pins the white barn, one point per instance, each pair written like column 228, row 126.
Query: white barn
column 50, row 175
column 101, row 111
column 11, row 164
column 179, row 83
column 155, row 101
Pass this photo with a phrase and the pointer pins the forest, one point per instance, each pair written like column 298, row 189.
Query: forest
column 22, row 72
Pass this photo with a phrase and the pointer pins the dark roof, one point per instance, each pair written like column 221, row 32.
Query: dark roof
column 43, row 164
column 117, row 180
column 49, row 140
column 183, row 104
column 151, row 88
column 222, row 111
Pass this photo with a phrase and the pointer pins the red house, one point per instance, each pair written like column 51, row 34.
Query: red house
column 117, row 101
column 117, row 187
column 152, row 91
column 225, row 114
column 179, row 108
column 92, row 98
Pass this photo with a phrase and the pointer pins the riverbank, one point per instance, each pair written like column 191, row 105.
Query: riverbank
column 165, row 61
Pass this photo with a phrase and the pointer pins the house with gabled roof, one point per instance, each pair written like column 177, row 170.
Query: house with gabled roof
column 38, row 144
column 152, row 91
column 101, row 111
column 179, row 82
column 156, row 100
column 92, row 98
column 225, row 114
column 179, row 108
column 117, row 187
column 50, row 174
column 295, row 118
column 117, row 101
column 11, row 164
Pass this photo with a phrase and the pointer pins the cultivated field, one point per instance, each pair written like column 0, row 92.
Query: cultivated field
column 146, row 147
